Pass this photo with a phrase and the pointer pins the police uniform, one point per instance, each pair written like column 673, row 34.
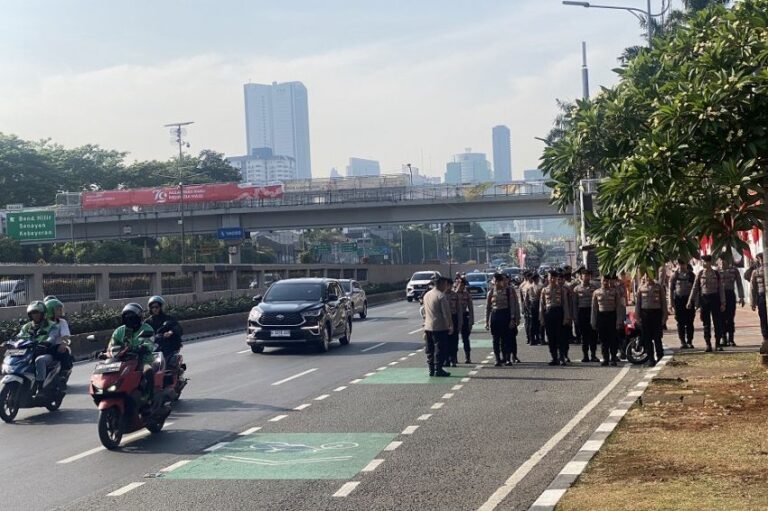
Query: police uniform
column 708, row 294
column 526, row 313
column 467, row 308
column 554, row 313
column 731, row 283
column 757, row 295
column 607, row 318
column 582, row 307
column 502, row 309
column 531, row 301
column 680, row 286
column 454, row 301
column 651, row 308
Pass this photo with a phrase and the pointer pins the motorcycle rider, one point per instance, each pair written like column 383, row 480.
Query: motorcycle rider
column 137, row 337
column 54, row 312
column 46, row 335
column 170, row 341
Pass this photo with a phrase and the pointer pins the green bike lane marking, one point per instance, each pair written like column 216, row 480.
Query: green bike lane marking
column 414, row 376
column 288, row 456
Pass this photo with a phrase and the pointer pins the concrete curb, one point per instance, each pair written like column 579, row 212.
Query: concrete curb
column 550, row 497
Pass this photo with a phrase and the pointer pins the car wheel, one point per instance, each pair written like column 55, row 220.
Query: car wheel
column 255, row 348
column 347, row 333
column 11, row 303
column 364, row 312
column 325, row 341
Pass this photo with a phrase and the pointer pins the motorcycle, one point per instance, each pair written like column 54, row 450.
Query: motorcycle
column 18, row 377
column 633, row 347
column 117, row 389
column 174, row 380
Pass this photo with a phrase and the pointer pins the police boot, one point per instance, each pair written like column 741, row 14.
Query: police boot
column 585, row 350
column 431, row 369
column 467, row 360
column 439, row 372
column 730, row 339
column 709, row 346
column 719, row 344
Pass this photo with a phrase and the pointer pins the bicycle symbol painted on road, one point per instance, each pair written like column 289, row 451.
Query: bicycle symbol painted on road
column 285, row 447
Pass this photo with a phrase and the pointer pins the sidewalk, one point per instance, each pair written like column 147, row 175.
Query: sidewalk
column 697, row 438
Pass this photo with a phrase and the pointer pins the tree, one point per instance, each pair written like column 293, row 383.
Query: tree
column 26, row 177
column 10, row 250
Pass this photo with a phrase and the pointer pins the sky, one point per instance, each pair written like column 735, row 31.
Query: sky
column 397, row 81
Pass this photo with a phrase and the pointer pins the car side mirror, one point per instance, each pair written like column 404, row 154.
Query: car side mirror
column 257, row 299
column 333, row 298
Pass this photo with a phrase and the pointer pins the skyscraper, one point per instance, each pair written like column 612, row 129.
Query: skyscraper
column 468, row 167
column 277, row 118
column 360, row 167
column 502, row 155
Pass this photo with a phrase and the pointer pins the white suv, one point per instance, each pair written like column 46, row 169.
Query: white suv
column 419, row 284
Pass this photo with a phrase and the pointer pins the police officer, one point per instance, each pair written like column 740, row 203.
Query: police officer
column 501, row 318
column 467, row 316
column 437, row 326
column 708, row 294
column 607, row 318
column 731, row 283
column 651, row 314
column 582, row 307
column 454, row 300
column 526, row 313
column 680, row 286
column 555, row 314
column 757, row 298
column 531, row 304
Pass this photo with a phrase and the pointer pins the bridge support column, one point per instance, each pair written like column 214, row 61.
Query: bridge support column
column 234, row 254
column 156, row 283
column 102, row 287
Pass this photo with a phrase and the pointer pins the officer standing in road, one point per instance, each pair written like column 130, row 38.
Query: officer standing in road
column 555, row 314
column 607, row 318
column 456, row 319
column 680, row 286
column 501, row 318
column 731, row 283
column 437, row 326
column 708, row 294
column 582, row 306
column 757, row 297
column 467, row 308
column 526, row 316
column 531, row 304
column 651, row 314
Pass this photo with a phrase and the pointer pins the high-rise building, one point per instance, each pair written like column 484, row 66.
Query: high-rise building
column 475, row 168
column 277, row 118
column 262, row 167
column 533, row 175
column 502, row 155
column 360, row 167
column 453, row 173
column 417, row 178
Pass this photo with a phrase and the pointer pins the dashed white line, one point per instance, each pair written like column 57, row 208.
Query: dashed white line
column 369, row 374
column 126, row 439
column 642, row 384
column 356, row 380
column 278, row 418
column 324, row 396
column 250, row 431
column 346, row 489
column 416, row 331
column 125, row 489
column 437, row 406
column 410, row 430
column 302, row 407
column 447, row 395
column 373, row 465
column 465, row 380
column 621, row 412
column 607, row 427
column 635, row 393
column 373, row 347
column 244, row 351
column 413, row 354
column 175, row 466
column 574, row 468
column 592, row 445
column 472, row 373
column 403, row 359
column 424, row 417
column 295, row 376
column 401, row 313
column 393, row 363
column 215, row 447
column 339, row 389
column 393, row 445
column 549, row 498
column 382, row 368
column 457, row 387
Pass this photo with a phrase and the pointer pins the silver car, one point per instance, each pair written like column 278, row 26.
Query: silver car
column 356, row 295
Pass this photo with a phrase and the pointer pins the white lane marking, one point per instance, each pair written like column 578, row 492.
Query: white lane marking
column 278, row 418
column 592, row 445
column 356, row 380
column 302, row 407
column 369, row 374
column 472, row 373
column 250, row 431
column 393, row 445
column 621, row 412
column 324, row 396
column 478, row 367
column 410, row 430
column 401, row 359
column 393, row 363
column 465, row 380
column 549, row 498
column 457, row 387
column 437, row 406
column 635, row 393
column 413, row 354
column 642, row 384
column 126, row 440
column 424, row 417
column 447, row 395
column 416, row 331
column 500, row 494
column 339, row 389
column 175, row 466
column 244, row 351
column 346, row 489
column 373, row 347
column 574, row 468
column 373, row 465
column 215, row 447
column 382, row 368
column 295, row 376
column 125, row 489
column 401, row 313
column 607, row 427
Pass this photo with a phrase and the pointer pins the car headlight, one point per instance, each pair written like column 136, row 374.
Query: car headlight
column 255, row 314
column 313, row 314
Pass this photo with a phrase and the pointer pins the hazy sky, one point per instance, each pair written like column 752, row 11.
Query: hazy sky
column 398, row 81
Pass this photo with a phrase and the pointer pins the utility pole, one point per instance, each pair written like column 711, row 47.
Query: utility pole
column 178, row 131
column 584, row 72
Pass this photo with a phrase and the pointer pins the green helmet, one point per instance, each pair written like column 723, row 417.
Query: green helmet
column 51, row 305
column 36, row 306
column 156, row 299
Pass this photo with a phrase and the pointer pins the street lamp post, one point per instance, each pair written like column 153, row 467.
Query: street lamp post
column 645, row 16
column 178, row 132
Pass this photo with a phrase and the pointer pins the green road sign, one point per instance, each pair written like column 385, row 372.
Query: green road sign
column 348, row 247
column 414, row 376
column 323, row 248
column 31, row 225
column 288, row 456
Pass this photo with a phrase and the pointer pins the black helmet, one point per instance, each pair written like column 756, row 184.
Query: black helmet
column 131, row 315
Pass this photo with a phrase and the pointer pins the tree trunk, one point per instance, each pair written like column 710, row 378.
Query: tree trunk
column 764, row 346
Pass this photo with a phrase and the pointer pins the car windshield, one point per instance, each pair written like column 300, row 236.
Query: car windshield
column 476, row 277
column 7, row 286
column 422, row 276
column 346, row 286
column 512, row 271
column 298, row 292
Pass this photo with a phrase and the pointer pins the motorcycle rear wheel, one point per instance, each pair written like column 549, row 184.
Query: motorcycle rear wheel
column 110, row 427
column 636, row 351
column 55, row 403
column 155, row 426
column 9, row 401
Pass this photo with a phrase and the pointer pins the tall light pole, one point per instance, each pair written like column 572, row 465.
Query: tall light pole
column 410, row 171
column 645, row 16
column 177, row 130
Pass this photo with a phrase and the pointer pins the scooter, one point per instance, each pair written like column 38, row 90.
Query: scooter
column 19, row 376
column 633, row 346
column 174, row 380
column 117, row 387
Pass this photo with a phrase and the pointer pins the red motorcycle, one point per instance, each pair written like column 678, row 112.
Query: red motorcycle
column 117, row 387
column 633, row 346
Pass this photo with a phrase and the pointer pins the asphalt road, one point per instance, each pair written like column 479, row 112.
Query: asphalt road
column 381, row 441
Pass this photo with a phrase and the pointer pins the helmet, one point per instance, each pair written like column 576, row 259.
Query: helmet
column 49, row 297
column 36, row 306
column 51, row 304
column 158, row 300
column 131, row 315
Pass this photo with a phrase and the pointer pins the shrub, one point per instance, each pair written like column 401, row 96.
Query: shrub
column 373, row 289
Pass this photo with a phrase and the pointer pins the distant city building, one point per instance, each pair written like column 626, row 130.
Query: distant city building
column 418, row 178
column 360, row 167
column 335, row 174
column 533, row 175
column 452, row 173
column 502, row 155
column 262, row 167
column 277, row 118
column 474, row 168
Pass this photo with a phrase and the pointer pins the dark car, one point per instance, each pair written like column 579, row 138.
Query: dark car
column 298, row 312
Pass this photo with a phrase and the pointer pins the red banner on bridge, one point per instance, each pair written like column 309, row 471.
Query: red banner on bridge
column 219, row 192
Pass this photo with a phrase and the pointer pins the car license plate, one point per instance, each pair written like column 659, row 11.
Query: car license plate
column 281, row 333
column 15, row 353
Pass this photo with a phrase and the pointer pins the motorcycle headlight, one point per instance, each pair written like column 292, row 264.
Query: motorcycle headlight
column 255, row 314
column 313, row 314
column 114, row 386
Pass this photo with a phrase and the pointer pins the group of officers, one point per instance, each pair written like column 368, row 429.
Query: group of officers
column 565, row 306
